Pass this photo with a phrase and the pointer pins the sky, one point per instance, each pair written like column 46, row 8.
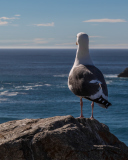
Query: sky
column 55, row 23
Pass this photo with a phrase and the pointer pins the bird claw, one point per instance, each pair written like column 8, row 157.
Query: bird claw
column 81, row 116
column 91, row 117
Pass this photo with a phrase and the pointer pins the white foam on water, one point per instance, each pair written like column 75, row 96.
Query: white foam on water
column 9, row 93
column 18, row 87
column 7, row 83
column 32, row 86
column 47, row 85
column 61, row 86
column 6, row 93
column 24, row 87
column 1, row 88
column 61, row 75
column 110, row 75
column 109, row 82
column 3, row 99
column 27, row 87
column 38, row 85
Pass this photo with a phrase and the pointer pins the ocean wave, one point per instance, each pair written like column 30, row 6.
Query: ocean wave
column 8, row 93
column 61, row 86
column 110, row 75
column 1, row 88
column 8, row 83
column 61, row 75
column 28, row 87
column 3, row 99
column 23, row 87
column 38, row 85
column 47, row 85
column 109, row 82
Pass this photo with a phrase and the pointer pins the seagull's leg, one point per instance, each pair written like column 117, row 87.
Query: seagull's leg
column 92, row 105
column 81, row 104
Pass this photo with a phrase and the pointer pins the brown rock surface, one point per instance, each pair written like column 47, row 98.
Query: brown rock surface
column 59, row 138
column 124, row 73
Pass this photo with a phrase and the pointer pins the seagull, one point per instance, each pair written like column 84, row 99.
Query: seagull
column 85, row 80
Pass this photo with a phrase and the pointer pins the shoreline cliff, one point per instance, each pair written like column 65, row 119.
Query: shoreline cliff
column 59, row 138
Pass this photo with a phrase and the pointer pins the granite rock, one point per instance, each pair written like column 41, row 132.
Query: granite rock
column 59, row 138
column 124, row 73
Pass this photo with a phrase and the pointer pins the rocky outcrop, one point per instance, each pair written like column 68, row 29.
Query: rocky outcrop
column 124, row 73
column 59, row 138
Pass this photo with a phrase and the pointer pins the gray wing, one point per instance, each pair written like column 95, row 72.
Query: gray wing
column 82, row 76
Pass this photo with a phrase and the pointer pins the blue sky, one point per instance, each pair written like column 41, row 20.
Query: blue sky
column 55, row 24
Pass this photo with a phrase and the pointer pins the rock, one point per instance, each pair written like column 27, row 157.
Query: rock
column 59, row 138
column 124, row 73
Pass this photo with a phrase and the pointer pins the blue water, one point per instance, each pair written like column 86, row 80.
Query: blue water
column 33, row 84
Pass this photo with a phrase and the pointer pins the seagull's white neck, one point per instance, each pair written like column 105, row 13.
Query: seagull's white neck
column 82, row 56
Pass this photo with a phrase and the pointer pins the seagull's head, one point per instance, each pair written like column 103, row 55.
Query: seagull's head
column 82, row 40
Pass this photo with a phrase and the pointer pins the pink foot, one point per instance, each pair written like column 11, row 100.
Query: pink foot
column 91, row 117
column 81, row 116
column 81, row 105
column 92, row 105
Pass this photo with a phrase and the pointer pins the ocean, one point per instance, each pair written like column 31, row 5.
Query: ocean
column 33, row 84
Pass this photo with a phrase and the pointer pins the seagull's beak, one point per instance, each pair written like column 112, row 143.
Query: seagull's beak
column 76, row 43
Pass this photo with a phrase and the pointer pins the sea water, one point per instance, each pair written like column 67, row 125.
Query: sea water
column 33, row 84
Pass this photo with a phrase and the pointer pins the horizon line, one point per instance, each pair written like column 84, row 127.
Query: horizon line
column 60, row 48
